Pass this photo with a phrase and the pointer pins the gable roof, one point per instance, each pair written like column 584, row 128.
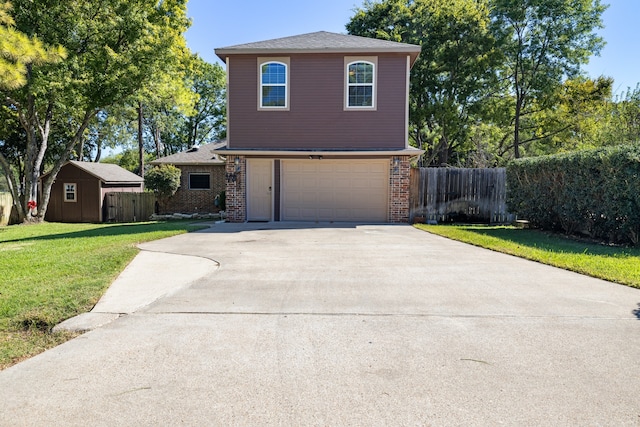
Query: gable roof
column 321, row 42
column 197, row 155
column 108, row 173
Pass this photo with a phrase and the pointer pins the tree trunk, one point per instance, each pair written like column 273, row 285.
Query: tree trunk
column 37, row 140
column 140, row 141
column 516, row 127
column 48, row 183
column 98, row 152
column 79, row 154
column 157, row 138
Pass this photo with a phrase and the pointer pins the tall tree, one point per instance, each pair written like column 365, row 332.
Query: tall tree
column 624, row 124
column 453, row 74
column 115, row 47
column 19, row 51
column 543, row 41
column 583, row 110
column 208, row 118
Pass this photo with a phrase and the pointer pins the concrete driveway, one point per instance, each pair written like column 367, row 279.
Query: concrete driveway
column 296, row 324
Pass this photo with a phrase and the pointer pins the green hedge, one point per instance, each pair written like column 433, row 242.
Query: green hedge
column 591, row 192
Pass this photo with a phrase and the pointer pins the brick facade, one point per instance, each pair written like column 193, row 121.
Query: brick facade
column 399, row 182
column 196, row 201
column 236, row 189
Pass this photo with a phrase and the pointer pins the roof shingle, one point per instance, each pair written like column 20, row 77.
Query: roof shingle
column 107, row 172
column 320, row 42
column 200, row 155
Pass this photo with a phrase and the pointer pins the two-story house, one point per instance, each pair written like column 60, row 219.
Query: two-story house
column 318, row 129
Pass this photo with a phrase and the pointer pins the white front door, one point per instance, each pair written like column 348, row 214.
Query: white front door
column 259, row 186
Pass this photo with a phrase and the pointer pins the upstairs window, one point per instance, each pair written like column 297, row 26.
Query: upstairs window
column 69, row 192
column 361, row 85
column 274, row 85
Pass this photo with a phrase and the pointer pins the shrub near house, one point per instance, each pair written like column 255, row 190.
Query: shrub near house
column 164, row 181
column 592, row 192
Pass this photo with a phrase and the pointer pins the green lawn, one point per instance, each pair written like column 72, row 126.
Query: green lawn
column 613, row 263
column 50, row 272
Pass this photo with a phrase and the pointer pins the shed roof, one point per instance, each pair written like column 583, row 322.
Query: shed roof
column 321, row 42
column 108, row 173
column 197, row 155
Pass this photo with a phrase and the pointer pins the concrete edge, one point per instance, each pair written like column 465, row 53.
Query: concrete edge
column 149, row 277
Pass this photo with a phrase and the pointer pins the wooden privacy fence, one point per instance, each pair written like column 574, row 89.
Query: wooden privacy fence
column 128, row 207
column 459, row 195
column 6, row 204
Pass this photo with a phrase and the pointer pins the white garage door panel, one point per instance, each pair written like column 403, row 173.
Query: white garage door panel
column 335, row 190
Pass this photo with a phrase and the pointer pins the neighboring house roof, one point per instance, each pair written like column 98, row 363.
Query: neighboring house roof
column 321, row 42
column 108, row 173
column 196, row 155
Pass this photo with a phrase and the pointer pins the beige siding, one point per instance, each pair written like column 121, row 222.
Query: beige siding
column 335, row 190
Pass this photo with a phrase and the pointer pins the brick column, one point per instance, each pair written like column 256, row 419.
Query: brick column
column 236, row 189
column 399, row 181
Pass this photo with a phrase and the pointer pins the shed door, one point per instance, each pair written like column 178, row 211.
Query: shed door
column 335, row 190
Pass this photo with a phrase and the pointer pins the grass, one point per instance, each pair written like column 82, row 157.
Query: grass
column 612, row 263
column 50, row 272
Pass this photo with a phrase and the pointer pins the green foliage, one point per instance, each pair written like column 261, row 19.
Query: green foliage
column 51, row 272
column 623, row 119
column 222, row 200
column 488, row 84
column 616, row 264
column 543, row 41
column 189, row 111
column 18, row 51
column 163, row 180
column 592, row 192
column 454, row 72
column 115, row 49
column 128, row 159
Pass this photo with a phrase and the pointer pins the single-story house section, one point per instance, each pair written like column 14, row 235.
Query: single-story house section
column 78, row 193
column 202, row 179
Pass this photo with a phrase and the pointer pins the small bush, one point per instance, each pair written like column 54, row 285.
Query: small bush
column 163, row 180
column 222, row 200
column 592, row 192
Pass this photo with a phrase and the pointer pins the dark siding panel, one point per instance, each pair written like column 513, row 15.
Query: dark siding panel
column 86, row 208
column 276, row 190
column 316, row 118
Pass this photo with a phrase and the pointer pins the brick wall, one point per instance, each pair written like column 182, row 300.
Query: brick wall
column 399, row 181
column 236, row 189
column 196, row 201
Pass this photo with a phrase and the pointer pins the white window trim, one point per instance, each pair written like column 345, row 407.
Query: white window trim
column 75, row 192
column 199, row 173
column 282, row 61
column 373, row 60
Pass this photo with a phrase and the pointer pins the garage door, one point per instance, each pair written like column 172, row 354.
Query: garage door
column 335, row 190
